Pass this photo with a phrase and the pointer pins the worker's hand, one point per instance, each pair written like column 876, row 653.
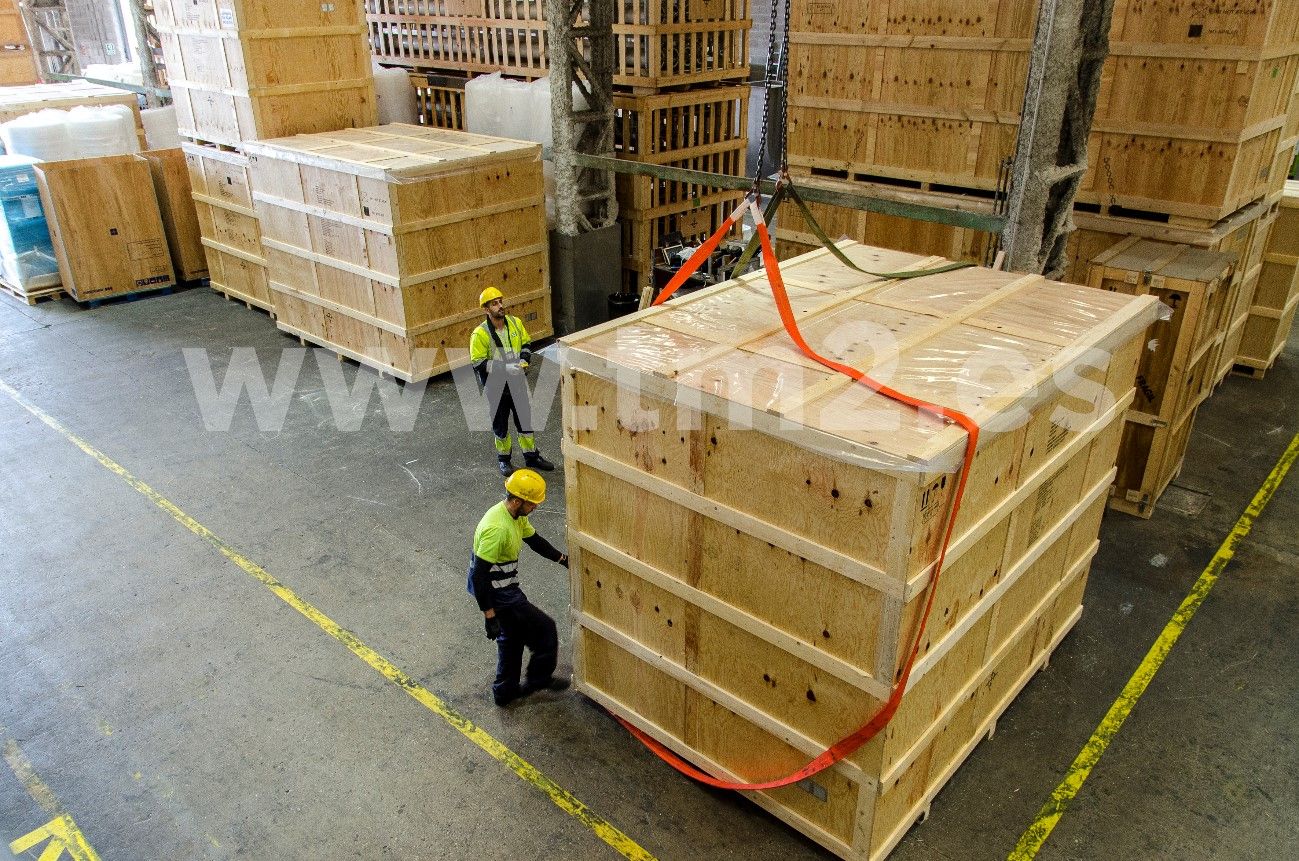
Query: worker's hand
column 523, row 364
column 563, row 559
column 493, row 627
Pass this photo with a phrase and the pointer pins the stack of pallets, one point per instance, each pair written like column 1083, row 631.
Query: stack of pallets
column 919, row 100
column 247, row 70
column 679, row 69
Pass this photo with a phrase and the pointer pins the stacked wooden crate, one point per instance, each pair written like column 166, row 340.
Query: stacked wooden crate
column 677, row 68
column 1178, row 369
column 17, row 59
column 750, row 624
column 378, row 241
column 244, row 70
column 1275, row 301
column 919, row 100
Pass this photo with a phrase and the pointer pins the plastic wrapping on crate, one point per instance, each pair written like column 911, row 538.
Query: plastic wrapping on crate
column 992, row 344
column 27, row 260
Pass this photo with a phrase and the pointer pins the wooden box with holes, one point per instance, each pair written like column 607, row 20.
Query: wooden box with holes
column 753, row 536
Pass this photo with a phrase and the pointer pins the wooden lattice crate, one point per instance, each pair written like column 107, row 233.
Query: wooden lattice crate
column 440, row 100
column 1273, row 307
column 749, row 624
column 657, row 43
column 252, row 69
column 1179, row 368
column 384, row 237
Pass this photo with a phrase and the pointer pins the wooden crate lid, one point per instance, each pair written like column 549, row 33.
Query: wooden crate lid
column 1168, row 260
column 395, row 153
column 35, row 97
column 986, row 342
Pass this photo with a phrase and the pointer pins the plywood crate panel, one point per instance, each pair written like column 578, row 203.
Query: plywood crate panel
column 106, row 226
column 1273, row 306
column 251, row 69
column 179, row 216
column 390, row 233
column 749, row 631
column 656, row 43
column 1179, row 367
column 17, row 66
column 228, row 223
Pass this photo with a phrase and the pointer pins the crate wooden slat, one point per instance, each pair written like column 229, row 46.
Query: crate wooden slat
column 656, row 43
column 748, row 624
column 253, row 69
column 1274, row 303
column 1179, row 368
column 379, row 240
column 106, row 226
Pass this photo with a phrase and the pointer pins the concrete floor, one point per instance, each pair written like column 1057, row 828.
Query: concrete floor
column 178, row 710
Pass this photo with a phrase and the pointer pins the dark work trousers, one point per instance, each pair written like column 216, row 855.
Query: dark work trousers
column 524, row 625
column 507, row 397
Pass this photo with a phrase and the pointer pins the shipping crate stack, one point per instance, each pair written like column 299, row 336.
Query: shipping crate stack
column 749, row 623
column 918, row 100
column 245, row 70
column 378, row 241
column 1179, row 367
column 1272, row 311
column 680, row 102
column 17, row 59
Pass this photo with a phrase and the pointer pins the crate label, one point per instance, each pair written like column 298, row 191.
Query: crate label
column 147, row 249
column 227, row 17
column 31, row 206
column 814, row 789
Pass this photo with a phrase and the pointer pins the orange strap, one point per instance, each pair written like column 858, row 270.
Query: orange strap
column 846, row 746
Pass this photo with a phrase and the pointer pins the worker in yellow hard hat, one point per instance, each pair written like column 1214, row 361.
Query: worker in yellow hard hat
column 509, row 618
column 500, row 351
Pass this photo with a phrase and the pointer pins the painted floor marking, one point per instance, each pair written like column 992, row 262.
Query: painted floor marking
column 1032, row 840
column 61, row 832
column 562, row 798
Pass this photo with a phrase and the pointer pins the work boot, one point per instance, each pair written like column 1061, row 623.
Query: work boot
column 507, row 468
column 552, row 684
column 534, row 460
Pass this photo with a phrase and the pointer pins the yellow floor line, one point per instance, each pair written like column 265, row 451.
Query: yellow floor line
column 561, row 797
column 1032, row 840
column 61, row 832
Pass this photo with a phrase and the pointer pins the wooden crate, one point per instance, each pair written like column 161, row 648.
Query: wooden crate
column 1178, row 370
column 440, row 100
column 378, row 241
column 179, row 217
column 17, row 101
column 656, row 43
column 228, row 223
column 254, row 69
column 1274, row 303
column 13, row 33
column 17, row 66
column 106, row 226
column 644, row 234
column 750, row 630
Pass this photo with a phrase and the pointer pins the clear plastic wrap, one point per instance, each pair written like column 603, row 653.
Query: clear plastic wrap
column 990, row 344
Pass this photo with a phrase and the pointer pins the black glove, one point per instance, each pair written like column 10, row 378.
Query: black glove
column 563, row 559
column 492, row 625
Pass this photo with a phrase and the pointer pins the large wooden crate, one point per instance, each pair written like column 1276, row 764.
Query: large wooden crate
column 106, row 226
column 378, row 241
column 228, row 224
column 1178, row 369
column 656, row 43
column 17, row 101
column 923, row 91
column 253, row 69
column 758, row 605
column 1274, row 303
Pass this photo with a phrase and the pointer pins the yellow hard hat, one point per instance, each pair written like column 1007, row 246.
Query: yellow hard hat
column 527, row 485
column 488, row 295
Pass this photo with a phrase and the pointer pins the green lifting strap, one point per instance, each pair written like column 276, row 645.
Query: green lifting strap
column 785, row 187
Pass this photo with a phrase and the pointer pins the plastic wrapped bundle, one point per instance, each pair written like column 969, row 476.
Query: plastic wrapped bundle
column 98, row 132
column 42, row 135
column 395, row 96
column 160, row 127
column 484, row 105
column 27, row 259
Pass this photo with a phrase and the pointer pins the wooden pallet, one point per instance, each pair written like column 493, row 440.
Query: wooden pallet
column 33, row 297
column 1243, row 370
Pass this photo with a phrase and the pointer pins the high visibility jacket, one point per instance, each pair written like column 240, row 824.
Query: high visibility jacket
column 497, row 540
column 510, row 344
